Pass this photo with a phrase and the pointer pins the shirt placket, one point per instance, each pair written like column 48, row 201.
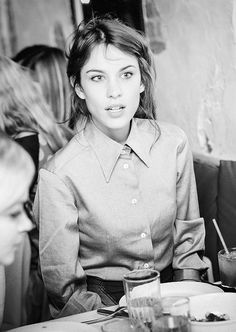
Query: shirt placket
column 145, row 243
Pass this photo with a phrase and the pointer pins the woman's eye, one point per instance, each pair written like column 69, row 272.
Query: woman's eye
column 15, row 214
column 127, row 75
column 97, row 78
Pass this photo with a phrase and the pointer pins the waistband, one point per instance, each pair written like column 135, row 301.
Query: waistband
column 115, row 287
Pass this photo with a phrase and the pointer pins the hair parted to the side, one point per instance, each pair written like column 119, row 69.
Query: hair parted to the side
column 23, row 107
column 110, row 31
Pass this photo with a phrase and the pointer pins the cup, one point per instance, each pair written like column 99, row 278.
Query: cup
column 176, row 315
column 143, row 297
column 227, row 267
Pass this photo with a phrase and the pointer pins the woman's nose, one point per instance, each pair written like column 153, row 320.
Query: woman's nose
column 25, row 224
column 113, row 89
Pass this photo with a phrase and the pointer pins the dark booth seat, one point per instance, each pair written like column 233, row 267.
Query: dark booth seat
column 216, row 186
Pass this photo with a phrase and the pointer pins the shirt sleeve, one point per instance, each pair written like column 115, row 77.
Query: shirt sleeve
column 57, row 217
column 189, row 230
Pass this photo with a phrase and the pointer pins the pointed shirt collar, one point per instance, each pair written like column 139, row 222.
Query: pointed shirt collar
column 108, row 151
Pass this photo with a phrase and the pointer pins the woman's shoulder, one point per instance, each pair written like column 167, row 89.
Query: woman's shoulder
column 165, row 129
column 67, row 155
column 171, row 130
column 45, row 152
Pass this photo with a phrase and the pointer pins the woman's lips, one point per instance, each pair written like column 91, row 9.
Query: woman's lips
column 115, row 108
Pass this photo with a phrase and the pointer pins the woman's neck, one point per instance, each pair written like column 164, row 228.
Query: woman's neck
column 118, row 135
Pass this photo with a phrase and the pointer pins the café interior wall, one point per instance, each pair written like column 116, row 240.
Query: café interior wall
column 28, row 22
column 196, row 72
column 196, row 67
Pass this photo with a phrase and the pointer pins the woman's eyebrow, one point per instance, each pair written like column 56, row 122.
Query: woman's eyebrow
column 127, row 67
column 94, row 70
column 103, row 71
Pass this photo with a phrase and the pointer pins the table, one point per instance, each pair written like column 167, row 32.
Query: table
column 86, row 316
column 93, row 314
column 79, row 318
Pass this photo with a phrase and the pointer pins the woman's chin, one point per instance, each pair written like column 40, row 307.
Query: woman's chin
column 8, row 259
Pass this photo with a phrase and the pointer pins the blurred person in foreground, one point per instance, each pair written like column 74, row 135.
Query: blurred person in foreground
column 121, row 195
column 26, row 117
column 16, row 175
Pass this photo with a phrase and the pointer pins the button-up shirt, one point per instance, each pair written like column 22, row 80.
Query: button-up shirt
column 104, row 209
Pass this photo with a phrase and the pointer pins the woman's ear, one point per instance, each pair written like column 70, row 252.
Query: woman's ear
column 141, row 88
column 79, row 92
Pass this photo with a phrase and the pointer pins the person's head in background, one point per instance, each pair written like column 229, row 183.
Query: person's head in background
column 110, row 34
column 16, row 174
column 23, row 107
column 48, row 67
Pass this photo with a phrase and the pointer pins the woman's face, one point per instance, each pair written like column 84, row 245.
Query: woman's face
column 13, row 223
column 111, row 86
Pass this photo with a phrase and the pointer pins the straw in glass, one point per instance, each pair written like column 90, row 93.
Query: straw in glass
column 220, row 236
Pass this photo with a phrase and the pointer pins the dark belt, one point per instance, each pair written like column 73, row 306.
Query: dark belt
column 106, row 289
column 167, row 275
column 115, row 289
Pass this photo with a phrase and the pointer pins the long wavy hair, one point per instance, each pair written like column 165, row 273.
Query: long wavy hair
column 110, row 31
column 23, row 107
column 48, row 67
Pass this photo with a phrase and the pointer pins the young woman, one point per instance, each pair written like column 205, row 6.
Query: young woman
column 121, row 195
column 16, row 175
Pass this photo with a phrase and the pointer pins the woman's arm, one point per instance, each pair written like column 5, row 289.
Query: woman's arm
column 63, row 276
column 189, row 232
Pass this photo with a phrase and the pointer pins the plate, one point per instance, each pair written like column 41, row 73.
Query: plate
column 183, row 288
column 53, row 326
column 218, row 303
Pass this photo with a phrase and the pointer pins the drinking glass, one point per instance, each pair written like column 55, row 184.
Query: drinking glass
column 176, row 315
column 143, row 298
column 227, row 267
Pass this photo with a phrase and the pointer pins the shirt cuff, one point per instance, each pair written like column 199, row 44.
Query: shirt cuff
column 187, row 274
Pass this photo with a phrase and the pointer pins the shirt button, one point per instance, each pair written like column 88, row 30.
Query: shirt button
column 134, row 201
column 143, row 235
column 126, row 166
column 146, row 265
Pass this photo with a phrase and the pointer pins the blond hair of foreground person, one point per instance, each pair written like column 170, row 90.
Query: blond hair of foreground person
column 23, row 107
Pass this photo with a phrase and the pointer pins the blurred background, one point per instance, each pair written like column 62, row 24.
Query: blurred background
column 194, row 45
